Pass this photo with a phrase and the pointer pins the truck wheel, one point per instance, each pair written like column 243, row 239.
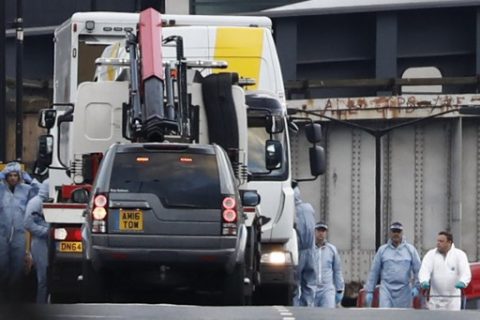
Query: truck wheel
column 274, row 294
column 286, row 295
column 254, row 246
column 58, row 298
column 93, row 286
column 234, row 291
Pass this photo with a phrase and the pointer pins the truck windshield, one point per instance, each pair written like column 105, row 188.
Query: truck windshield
column 257, row 135
column 177, row 179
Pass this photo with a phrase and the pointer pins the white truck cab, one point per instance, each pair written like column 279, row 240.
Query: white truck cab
column 89, row 99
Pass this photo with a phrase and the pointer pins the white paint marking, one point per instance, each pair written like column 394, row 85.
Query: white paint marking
column 77, row 316
column 284, row 313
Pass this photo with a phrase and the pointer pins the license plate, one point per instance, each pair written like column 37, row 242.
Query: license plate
column 131, row 220
column 70, row 246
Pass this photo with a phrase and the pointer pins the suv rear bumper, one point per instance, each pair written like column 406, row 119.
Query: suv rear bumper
column 131, row 250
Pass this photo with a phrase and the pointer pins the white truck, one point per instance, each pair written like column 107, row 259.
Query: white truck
column 88, row 116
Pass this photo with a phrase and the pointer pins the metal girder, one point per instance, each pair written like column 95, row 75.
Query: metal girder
column 418, row 189
column 355, row 201
column 388, row 107
column 477, row 193
column 387, row 184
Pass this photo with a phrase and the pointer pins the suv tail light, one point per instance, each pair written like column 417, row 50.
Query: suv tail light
column 229, row 216
column 99, row 213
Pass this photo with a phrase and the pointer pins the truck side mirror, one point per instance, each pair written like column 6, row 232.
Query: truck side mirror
column 317, row 161
column 46, row 118
column 250, row 198
column 273, row 154
column 45, row 150
column 313, row 131
column 274, row 124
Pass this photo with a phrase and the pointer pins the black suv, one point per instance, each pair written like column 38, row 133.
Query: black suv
column 166, row 214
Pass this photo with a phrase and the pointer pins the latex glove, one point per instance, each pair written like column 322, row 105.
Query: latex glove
column 338, row 297
column 2, row 176
column 369, row 299
column 425, row 285
column 414, row 292
column 460, row 285
column 26, row 177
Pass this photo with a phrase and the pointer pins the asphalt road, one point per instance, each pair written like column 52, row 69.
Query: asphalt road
column 174, row 312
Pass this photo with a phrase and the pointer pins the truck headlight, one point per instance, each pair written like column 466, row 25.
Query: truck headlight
column 277, row 258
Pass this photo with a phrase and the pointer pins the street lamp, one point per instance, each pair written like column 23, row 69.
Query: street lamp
column 378, row 134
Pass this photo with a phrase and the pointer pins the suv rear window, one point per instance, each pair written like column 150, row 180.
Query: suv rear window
column 178, row 179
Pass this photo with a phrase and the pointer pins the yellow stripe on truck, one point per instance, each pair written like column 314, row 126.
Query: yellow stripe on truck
column 242, row 49
column 110, row 69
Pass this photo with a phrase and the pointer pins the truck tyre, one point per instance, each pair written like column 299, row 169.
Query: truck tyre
column 274, row 294
column 254, row 252
column 286, row 295
column 234, row 291
column 93, row 286
column 251, row 265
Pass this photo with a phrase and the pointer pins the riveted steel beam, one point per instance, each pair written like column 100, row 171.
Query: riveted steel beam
column 454, row 183
column 419, row 187
column 324, row 199
column 387, row 184
column 477, row 193
column 355, row 202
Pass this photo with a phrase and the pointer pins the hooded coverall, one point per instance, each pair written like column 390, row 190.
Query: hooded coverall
column 396, row 266
column 443, row 272
column 13, row 201
column 306, row 272
column 38, row 227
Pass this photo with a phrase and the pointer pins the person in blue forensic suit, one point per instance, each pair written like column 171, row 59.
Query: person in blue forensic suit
column 329, row 292
column 15, row 192
column 396, row 265
column 37, row 226
column 306, row 273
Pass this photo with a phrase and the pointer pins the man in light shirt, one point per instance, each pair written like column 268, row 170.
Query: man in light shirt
column 445, row 271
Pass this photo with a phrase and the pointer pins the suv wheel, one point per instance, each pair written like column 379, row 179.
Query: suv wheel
column 234, row 287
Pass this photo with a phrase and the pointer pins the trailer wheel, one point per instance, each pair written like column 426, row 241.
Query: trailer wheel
column 93, row 285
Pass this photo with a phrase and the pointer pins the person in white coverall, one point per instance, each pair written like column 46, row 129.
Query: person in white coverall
column 15, row 192
column 35, row 223
column 306, row 272
column 330, row 286
column 445, row 271
column 396, row 265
